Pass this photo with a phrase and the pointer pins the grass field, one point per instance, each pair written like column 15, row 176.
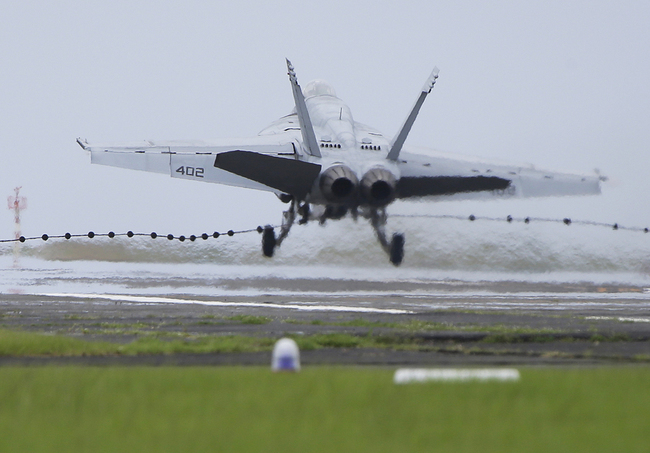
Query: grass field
column 320, row 409
column 17, row 343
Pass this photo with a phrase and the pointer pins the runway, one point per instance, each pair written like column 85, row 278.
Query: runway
column 447, row 321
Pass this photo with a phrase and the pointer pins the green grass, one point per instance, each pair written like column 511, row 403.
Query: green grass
column 320, row 409
column 21, row 343
column 415, row 326
column 250, row 319
column 79, row 317
column 16, row 343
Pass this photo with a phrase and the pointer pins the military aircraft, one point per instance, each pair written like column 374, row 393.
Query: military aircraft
column 326, row 165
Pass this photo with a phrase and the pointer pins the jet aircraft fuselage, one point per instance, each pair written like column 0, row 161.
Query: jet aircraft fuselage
column 326, row 165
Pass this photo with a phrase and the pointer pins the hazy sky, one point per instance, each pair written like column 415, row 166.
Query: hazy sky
column 564, row 85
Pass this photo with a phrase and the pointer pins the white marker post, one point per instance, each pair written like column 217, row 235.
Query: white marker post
column 16, row 203
column 286, row 356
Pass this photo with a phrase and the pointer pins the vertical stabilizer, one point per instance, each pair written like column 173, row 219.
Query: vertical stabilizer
column 307, row 129
column 400, row 138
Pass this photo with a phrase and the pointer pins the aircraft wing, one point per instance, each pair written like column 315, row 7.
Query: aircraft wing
column 427, row 173
column 262, row 163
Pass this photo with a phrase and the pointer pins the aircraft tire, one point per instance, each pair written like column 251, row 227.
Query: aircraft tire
column 268, row 241
column 397, row 249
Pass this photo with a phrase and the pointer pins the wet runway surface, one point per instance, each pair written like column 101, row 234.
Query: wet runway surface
column 444, row 322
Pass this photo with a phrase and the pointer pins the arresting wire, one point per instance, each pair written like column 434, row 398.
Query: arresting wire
column 205, row 236
column 130, row 234
column 510, row 219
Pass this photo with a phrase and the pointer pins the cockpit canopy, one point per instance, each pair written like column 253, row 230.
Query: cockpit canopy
column 318, row 88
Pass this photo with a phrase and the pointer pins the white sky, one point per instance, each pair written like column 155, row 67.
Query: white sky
column 560, row 84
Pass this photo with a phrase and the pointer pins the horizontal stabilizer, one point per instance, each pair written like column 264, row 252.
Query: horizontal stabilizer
column 290, row 176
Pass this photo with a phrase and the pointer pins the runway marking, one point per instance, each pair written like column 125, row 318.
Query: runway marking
column 411, row 375
column 618, row 318
column 167, row 300
column 529, row 304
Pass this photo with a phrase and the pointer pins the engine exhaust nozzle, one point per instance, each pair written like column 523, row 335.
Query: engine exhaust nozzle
column 378, row 186
column 339, row 184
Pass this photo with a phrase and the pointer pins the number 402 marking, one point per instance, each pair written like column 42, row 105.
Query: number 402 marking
column 191, row 171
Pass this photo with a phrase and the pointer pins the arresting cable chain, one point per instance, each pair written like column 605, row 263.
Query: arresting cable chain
column 130, row 234
column 204, row 236
column 510, row 219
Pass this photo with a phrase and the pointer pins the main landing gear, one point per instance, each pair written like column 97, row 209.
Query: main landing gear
column 394, row 248
column 270, row 241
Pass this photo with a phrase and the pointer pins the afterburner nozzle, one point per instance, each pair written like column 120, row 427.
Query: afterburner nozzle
column 339, row 184
column 378, row 186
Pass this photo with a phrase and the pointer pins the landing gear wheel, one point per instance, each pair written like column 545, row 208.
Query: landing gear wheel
column 397, row 249
column 268, row 241
column 304, row 211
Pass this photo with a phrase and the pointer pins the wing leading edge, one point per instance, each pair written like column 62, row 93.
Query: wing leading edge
column 441, row 174
column 198, row 161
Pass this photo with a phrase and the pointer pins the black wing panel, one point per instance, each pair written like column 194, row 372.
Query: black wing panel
column 423, row 186
column 290, row 176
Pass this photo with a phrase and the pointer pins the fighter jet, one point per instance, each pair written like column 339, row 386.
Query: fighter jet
column 325, row 165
